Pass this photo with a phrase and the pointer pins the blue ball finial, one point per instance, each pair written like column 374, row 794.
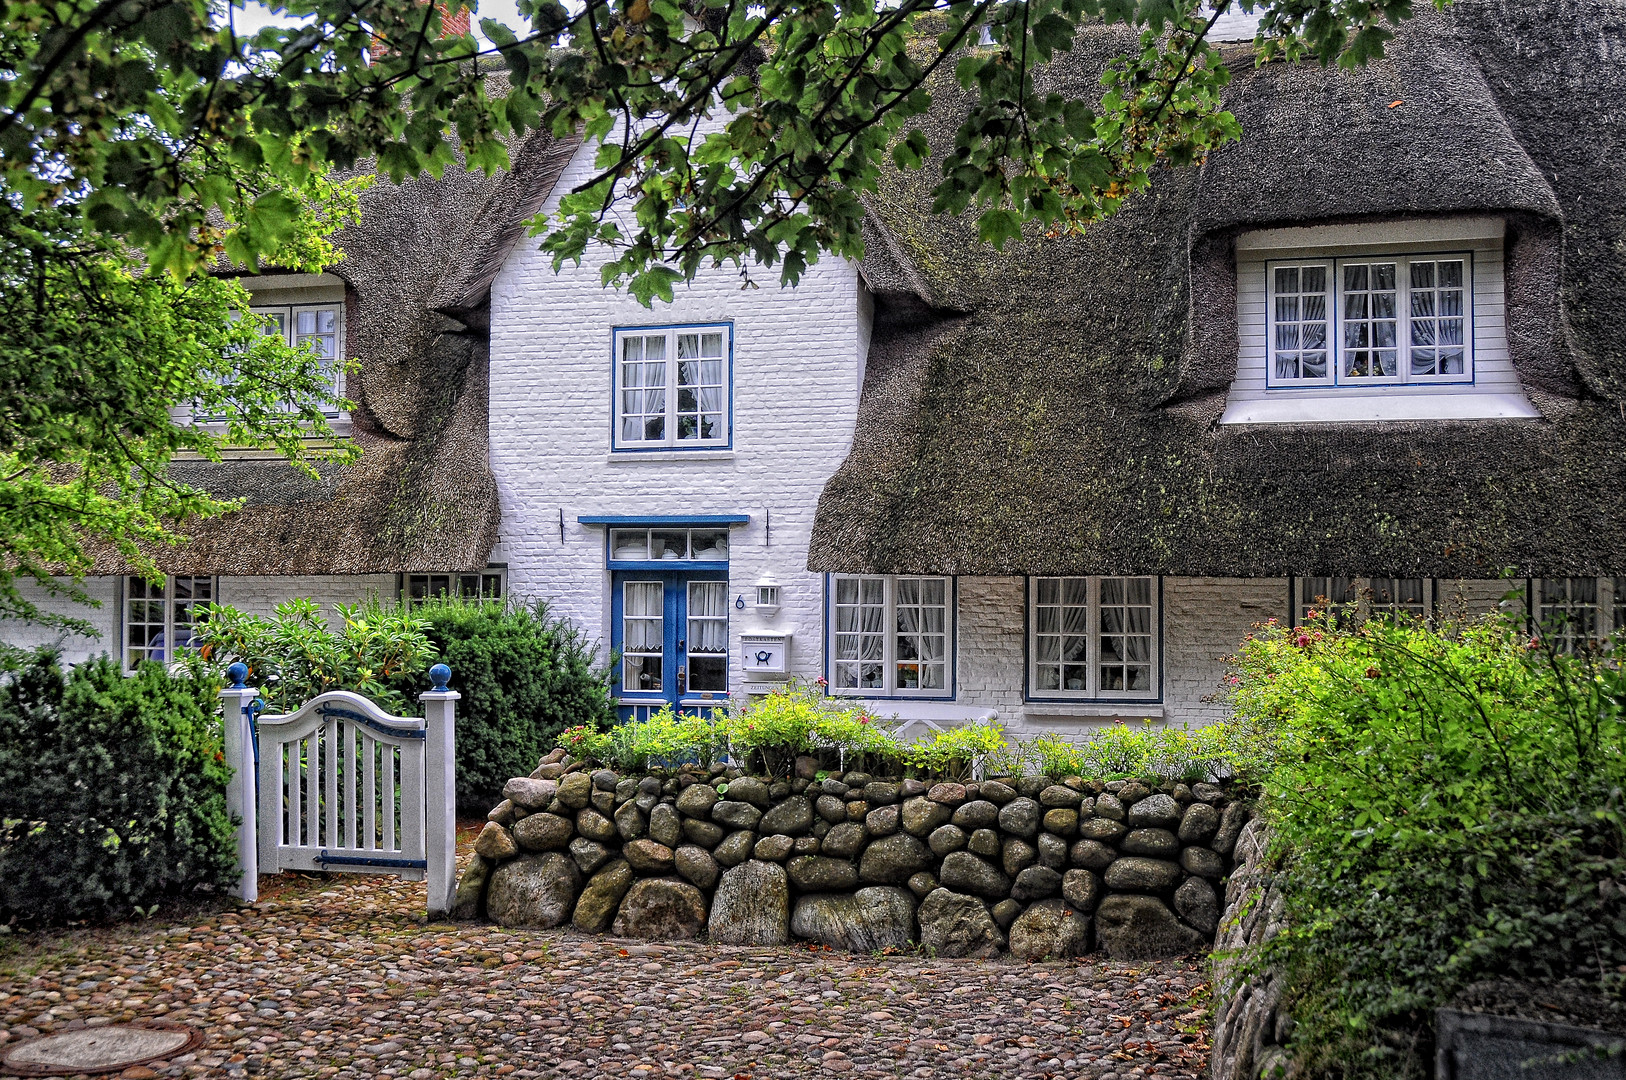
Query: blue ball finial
column 440, row 675
column 238, row 674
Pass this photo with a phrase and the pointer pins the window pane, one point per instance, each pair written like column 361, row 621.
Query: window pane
column 1369, row 321
column 1437, row 299
column 700, row 388
column 642, row 401
column 860, row 614
column 643, row 634
column 1125, row 644
column 1568, row 612
column 1061, row 622
column 1299, row 322
column 921, row 638
column 708, row 636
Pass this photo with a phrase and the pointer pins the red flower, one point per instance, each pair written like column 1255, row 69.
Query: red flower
column 1304, row 641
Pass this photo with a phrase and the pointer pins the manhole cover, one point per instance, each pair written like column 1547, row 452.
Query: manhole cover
column 100, row 1049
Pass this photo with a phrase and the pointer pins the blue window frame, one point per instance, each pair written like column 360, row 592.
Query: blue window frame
column 670, row 628
column 673, row 387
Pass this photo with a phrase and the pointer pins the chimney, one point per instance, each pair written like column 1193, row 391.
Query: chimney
column 454, row 22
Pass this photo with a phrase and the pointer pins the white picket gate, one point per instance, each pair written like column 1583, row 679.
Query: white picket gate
column 344, row 786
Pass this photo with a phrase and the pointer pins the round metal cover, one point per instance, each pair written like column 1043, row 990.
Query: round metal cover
column 110, row 1048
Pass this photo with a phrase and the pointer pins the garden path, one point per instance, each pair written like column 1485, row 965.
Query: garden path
column 343, row 978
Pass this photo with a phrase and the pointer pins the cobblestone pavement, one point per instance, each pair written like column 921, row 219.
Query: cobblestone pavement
column 342, row 977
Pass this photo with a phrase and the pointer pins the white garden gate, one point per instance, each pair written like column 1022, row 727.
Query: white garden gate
column 339, row 784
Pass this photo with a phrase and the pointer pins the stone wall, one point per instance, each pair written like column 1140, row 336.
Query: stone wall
column 1249, row 1026
column 854, row 862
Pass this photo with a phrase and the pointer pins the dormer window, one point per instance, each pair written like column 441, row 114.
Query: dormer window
column 1370, row 321
column 1394, row 320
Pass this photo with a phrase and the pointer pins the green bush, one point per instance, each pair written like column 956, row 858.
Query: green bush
column 1449, row 805
column 525, row 674
column 955, row 754
column 112, row 790
column 377, row 651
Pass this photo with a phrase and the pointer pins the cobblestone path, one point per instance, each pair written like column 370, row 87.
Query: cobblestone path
column 342, row 978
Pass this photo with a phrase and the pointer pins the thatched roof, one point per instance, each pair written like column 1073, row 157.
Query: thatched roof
column 422, row 497
column 1053, row 408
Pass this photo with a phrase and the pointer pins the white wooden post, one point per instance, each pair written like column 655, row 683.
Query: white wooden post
column 235, row 702
column 440, row 790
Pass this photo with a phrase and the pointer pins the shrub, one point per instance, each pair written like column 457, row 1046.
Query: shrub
column 861, row 741
column 955, row 754
column 1055, row 758
column 1450, row 808
column 525, row 676
column 377, row 651
column 112, row 790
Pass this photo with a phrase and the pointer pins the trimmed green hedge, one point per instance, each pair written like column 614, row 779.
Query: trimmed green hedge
column 112, row 790
column 525, row 676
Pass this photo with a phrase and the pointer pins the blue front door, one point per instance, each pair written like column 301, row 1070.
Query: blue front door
column 671, row 630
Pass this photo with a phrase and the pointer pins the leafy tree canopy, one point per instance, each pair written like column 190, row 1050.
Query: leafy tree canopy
column 733, row 132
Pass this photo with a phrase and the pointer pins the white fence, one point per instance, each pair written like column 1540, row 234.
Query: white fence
column 344, row 786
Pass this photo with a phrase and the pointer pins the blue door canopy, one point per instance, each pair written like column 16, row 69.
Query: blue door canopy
column 656, row 521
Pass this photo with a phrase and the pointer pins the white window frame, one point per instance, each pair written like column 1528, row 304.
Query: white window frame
column 1092, row 656
column 488, row 584
column 889, row 639
column 671, row 441
column 1368, row 596
column 1335, row 377
column 135, row 590
column 1610, row 605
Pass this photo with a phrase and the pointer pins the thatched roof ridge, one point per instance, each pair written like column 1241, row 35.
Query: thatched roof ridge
column 1067, row 423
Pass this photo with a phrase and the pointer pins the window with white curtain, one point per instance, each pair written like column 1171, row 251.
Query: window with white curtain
column 1579, row 612
column 891, row 635
column 643, row 634
column 1370, row 321
column 158, row 618
column 672, row 387
column 1348, row 600
column 1093, row 637
column 708, row 636
column 316, row 326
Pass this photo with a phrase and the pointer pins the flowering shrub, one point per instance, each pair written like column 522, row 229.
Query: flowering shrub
column 1450, row 807
column 955, row 754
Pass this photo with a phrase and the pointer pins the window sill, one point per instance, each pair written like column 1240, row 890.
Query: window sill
column 942, row 713
column 646, row 457
column 1307, row 407
column 1059, row 710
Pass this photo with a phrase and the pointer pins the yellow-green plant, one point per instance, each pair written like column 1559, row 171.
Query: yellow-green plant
column 1054, row 757
column 956, row 753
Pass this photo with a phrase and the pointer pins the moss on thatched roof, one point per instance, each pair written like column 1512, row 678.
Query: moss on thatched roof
column 1064, row 420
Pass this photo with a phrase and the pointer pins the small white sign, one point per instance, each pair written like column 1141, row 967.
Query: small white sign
column 765, row 654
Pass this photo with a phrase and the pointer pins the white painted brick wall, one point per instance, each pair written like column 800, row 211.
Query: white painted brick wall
column 255, row 595
column 797, row 357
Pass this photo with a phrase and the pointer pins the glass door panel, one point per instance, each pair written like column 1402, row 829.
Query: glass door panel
column 708, row 637
column 643, row 635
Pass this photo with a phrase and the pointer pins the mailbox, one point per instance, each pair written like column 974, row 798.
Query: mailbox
column 765, row 656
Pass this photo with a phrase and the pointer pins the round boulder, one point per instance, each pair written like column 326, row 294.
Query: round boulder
column 537, row 891
column 793, row 817
column 1202, row 862
column 751, row 906
column 734, row 814
column 495, row 843
column 775, row 848
column 831, row 809
column 1017, row 855
column 921, row 815
column 1136, row 874
column 544, row 832
column 665, row 827
column 953, row 924
column 1142, row 928
column 878, row 917
column 1058, row 795
column 1107, row 805
column 595, row 826
column 662, row 909
column 1157, row 843
column 946, row 838
column 1198, row 904
column 1103, row 829
column 1020, row 817
column 589, row 854
column 1082, row 889
column 946, row 793
column 1052, row 851
column 820, row 873
column 995, row 792
column 696, row 801
column 882, row 821
column 1063, row 821
column 601, row 899
column 1155, row 812
column 749, row 789
column 696, row 864
column 893, row 860
column 844, row 841
column 736, row 848
column 1049, row 930
column 1036, row 883
column 648, row 857
column 575, row 790
column 965, row 872
column 976, row 814
column 1199, row 823
column 1091, row 855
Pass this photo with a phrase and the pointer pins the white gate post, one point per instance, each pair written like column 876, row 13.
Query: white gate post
column 236, row 700
column 440, row 790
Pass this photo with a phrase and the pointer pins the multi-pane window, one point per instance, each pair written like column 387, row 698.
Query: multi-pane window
column 708, row 636
column 643, row 634
column 1093, row 637
column 1347, row 600
column 158, row 618
column 672, row 387
column 1370, row 321
column 668, row 545
column 1579, row 612
column 891, row 635
column 318, row 326
column 485, row 585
